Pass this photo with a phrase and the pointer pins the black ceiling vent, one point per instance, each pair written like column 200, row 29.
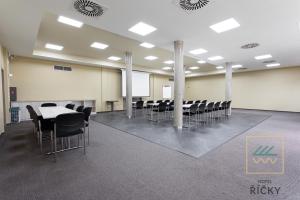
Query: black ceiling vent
column 190, row 5
column 89, row 8
column 250, row 46
column 269, row 61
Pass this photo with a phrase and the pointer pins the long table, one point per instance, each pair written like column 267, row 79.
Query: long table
column 53, row 112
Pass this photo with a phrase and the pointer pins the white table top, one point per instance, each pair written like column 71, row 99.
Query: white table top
column 187, row 105
column 53, row 112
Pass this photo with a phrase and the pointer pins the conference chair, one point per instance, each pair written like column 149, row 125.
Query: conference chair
column 87, row 114
column 223, row 107
column 170, row 109
column 201, row 111
column 190, row 102
column 166, row 101
column 34, row 121
column 209, row 110
column 198, row 101
column 192, row 111
column 204, row 101
column 161, row 108
column 159, row 101
column 148, row 106
column 66, row 126
column 70, row 106
column 228, row 106
column 79, row 108
column 48, row 105
column 138, row 106
column 216, row 108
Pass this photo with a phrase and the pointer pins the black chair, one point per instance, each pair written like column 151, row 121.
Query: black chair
column 148, row 106
column 159, row 101
column 79, row 108
column 228, row 107
column 191, row 112
column 201, row 110
column 48, row 105
column 138, row 106
column 87, row 113
column 216, row 109
column 166, row 101
column 161, row 108
column 198, row 101
column 67, row 125
column 209, row 109
column 41, row 126
column 223, row 106
column 70, row 106
column 204, row 101
column 190, row 102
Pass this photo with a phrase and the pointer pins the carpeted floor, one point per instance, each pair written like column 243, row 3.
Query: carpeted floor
column 122, row 166
column 196, row 140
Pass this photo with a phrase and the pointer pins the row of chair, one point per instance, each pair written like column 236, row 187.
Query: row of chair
column 212, row 110
column 63, row 126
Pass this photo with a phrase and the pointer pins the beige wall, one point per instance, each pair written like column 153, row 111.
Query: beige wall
column 37, row 81
column 273, row 89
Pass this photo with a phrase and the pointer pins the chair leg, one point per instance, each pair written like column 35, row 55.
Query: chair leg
column 89, row 134
column 55, row 148
column 84, row 141
column 41, row 141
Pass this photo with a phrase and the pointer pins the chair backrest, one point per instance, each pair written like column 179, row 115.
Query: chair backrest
column 217, row 105
column 223, row 104
column 68, row 123
column 198, row 101
column 204, row 101
column 30, row 108
column 183, row 102
column 70, row 106
column 210, row 106
column 201, row 107
column 190, row 102
column 166, row 101
column 79, row 108
column 194, row 108
column 87, row 113
column 150, row 101
column 139, row 104
column 48, row 105
column 162, row 106
column 228, row 104
column 159, row 101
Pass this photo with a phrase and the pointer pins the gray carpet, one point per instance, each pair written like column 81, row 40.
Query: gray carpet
column 194, row 141
column 122, row 166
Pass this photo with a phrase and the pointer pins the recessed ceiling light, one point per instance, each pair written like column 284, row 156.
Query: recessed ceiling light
column 188, row 72
column 142, row 28
column 220, row 67
column 54, row 47
column 273, row 65
column 201, row 61
column 225, row 25
column 266, row 56
column 167, row 68
column 147, row 45
column 214, row 58
column 151, row 58
column 99, row 45
column 114, row 58
column 236, row 66
column 169, row 62
column 198, row 51
column 194, row 68
column 68, row 21
column 10, row 75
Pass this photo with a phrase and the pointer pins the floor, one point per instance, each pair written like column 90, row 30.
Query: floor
column 119, row 165
column 196, row 139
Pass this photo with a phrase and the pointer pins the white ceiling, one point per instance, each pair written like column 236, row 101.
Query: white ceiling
column 272, row 23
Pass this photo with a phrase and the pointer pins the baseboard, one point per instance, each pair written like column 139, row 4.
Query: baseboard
column 267, row 110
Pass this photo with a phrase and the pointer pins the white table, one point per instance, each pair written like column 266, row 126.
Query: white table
column 186, row 106
column 53, row 112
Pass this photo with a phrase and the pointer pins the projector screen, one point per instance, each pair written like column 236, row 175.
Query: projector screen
column 140, row 84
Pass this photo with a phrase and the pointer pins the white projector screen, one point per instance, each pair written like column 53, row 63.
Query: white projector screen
column 140, row 84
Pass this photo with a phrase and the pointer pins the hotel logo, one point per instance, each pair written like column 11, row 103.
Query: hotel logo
column 264, row 155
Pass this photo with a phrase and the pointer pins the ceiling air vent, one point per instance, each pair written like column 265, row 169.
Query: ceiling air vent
column 250, row 46
column 191, row 5
column 89, row 8
column 269, row 61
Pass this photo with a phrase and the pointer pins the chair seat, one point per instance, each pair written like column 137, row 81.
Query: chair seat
column 68, row 134
column 188, row 113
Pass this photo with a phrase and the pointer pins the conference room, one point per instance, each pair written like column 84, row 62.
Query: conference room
column 137, row 99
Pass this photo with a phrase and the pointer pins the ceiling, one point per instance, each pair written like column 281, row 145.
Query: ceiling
column 25, row 26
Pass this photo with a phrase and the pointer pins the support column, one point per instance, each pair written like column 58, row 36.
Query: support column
column 128, row 64
column 179, row 82
column 228, row 87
